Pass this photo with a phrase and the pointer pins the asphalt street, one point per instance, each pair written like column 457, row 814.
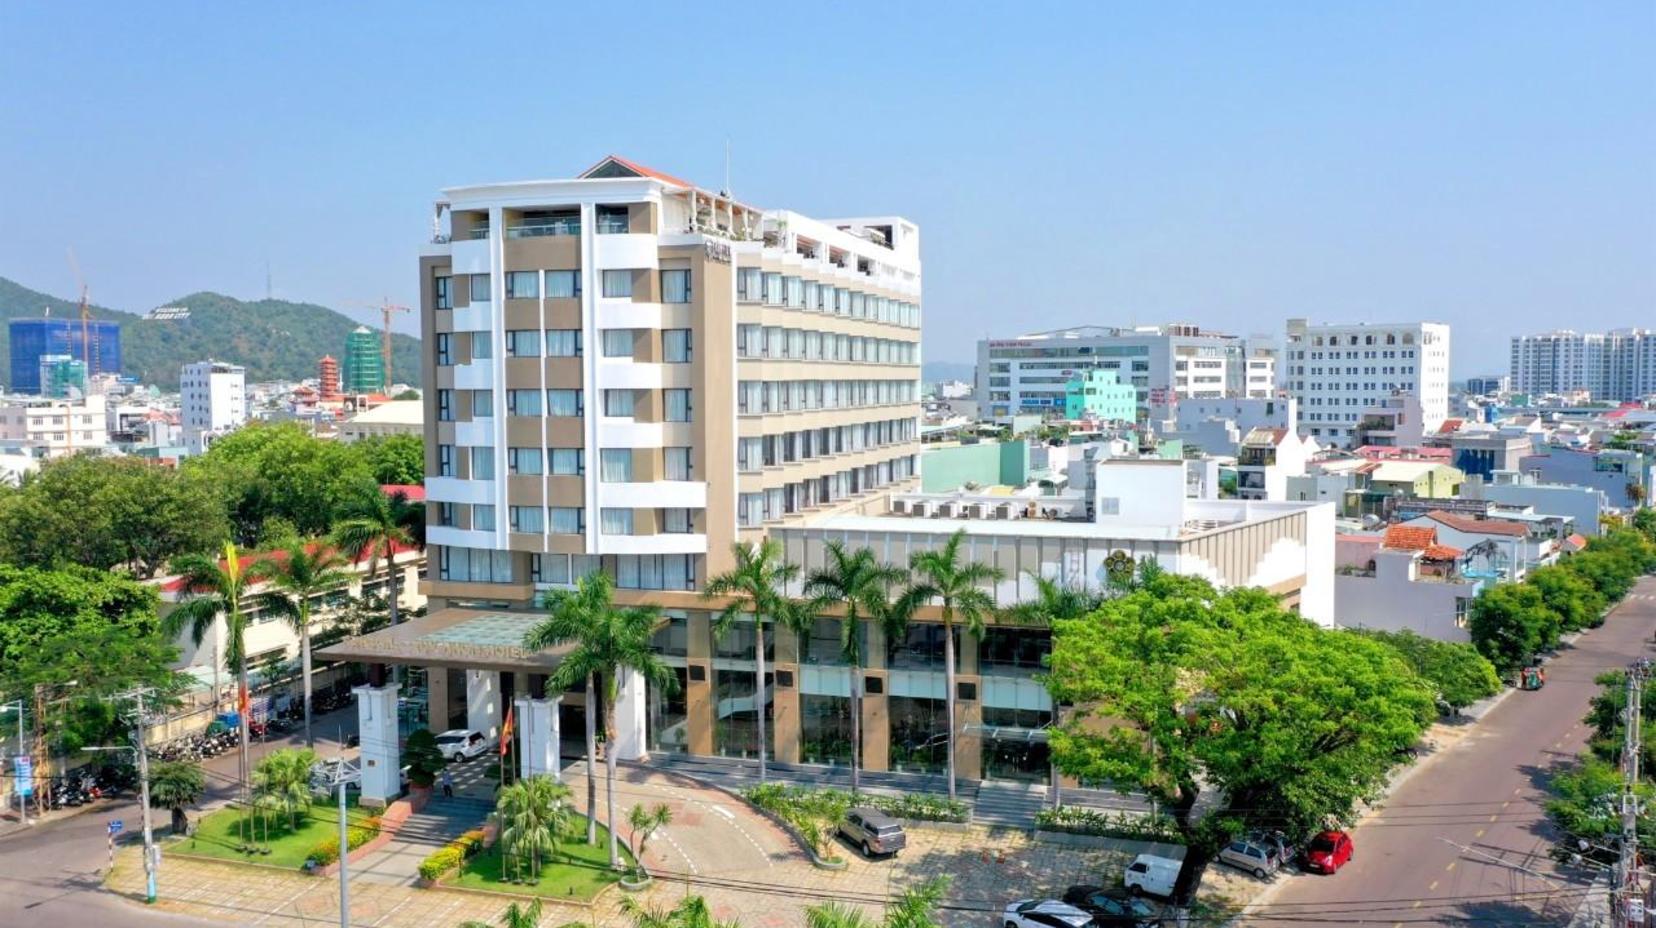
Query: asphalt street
column 1465, row 840
column 51, row 874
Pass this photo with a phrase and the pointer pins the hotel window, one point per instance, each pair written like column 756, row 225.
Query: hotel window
column 523, row 402
column 615, row 465
column 615, row 521
column 675, row 286
column 618, row 343
column 481, row 346
column 522, row 285
column 479, row 288
column 618, row 283
column 677, row 405
column 655, row 572
column 567, row 520
column 563, row 285
column 563, row 343
column 749, row 453
column 445, row 405
column 482, row 404
column 443, row 292
column 445, row 514
column 483, row 518
column 619, row 403
column 445, row 460
column 568, row 462
column 523, row 343
column 564, row 403
column 676, row 463
column 794, row 291
column 675, row 346
column 773, row 289
column 675, row 521
column 747, row 284
column 445, row 349
column 476, row 565
column 482, row 463
column 549, row 568
column 525, row 461
column 612, row 220
column 527, row 518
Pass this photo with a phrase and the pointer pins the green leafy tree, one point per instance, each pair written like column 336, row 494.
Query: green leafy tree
column 958, row 588
column 216, row 589
column 425, row 761
column 1457, row 671
column 377, row 525
column 691, row 912
column 108, row 513
column 175, row 784
column 1570, row 596
column 858, row 587
column 1177, row 687
column 617, row 643
column 298, row 575
column 533, row 814
column 395, row 459
column 282, row 779
column 645, row 821
column 266, row 470
column 755, row 587
column 1510, row 624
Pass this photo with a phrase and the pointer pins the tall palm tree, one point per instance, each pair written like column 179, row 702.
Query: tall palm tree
column 609, row 641
column 1053, row 602
column 574, row 611
column 282, row 780
column 860, row 586
column 375, row 524
column 645, row 821
column 533, row 816
column 691, row 912
column 303, row 572
column 958, row 588
column 215, row 589
column 915, row 908
column 755, row 586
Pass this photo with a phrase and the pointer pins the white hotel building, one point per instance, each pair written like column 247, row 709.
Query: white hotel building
column 1338, row 372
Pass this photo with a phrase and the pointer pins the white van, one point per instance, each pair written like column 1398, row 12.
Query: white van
column 1151, row 874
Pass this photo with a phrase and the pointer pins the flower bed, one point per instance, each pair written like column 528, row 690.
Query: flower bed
column 451, row 855
column 1078, row 820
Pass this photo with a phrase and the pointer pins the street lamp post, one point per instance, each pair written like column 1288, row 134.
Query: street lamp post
column 344, row 774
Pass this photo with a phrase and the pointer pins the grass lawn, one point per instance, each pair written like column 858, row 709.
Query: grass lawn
column 220, row 835
column 578, row 871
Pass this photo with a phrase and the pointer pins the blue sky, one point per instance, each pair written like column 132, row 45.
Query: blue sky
column 1492, row 165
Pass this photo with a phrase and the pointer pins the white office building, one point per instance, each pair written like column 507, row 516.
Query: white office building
column 214, row 401
column 1618, row 366
column 43, row 427
column 1338, row 371
column 1164, row 364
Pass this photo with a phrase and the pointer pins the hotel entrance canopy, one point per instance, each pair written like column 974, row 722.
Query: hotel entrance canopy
column 470, row 639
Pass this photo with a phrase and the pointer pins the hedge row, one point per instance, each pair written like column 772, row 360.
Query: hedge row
column 451, row 855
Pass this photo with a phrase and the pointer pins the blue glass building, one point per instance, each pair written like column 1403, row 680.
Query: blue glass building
column 32, row 338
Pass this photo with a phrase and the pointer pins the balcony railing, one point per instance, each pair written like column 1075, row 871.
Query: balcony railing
column 535, row 228
column 477, row 232
column 613, row 225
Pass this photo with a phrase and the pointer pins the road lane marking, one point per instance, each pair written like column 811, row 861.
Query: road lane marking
column 1494, row 816
column 1517, row 790
column 1507, row 803
column 1416, row 904
column 1450, row 867
column 1479, row 834
column 1432, row 887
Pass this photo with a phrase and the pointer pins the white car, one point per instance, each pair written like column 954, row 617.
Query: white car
column 459, row 744
column 1051, row 913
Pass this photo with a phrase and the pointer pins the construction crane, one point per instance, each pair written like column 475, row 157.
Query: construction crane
column 386, row 308
column 87, row 357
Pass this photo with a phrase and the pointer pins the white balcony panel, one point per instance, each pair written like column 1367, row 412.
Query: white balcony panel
column 817, row 680
column 455, row 490
column 625, row 250
column 471, row 256
column 625, row 433
column 618, row 313
column 622, row 374
column 451, row 537
column 478, row 317
column 474, row 432
column 655, row 494
column 916, row 684
column 652, row 544
column 476, row 375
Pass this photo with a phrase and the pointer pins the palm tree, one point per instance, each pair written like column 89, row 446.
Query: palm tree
column 533, row 815
column 574, row 611
column 1053, row 602
column 860, row 586
column 915, row 908
column 754, row 586
column 213, row 589
column 645, row 822
column 692, row 912
column 376, row 524
column 959, row 589
column 173, row 785
column 303, row 572
column 282, row 782
column 515, row 916
column 609, row 641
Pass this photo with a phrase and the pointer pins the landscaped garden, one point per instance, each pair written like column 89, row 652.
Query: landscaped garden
column 577, row 870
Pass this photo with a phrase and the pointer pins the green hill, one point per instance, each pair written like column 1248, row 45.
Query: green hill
column 274, row 339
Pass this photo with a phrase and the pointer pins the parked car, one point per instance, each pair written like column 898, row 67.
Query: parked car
column 1051, row 913
column 1151, row 874
column 1113, row 907
column 873, row 831
column 1256, row 857
column 458, row 744
column 1329, row 851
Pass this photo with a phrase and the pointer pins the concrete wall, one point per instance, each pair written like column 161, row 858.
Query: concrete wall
column 986, row 464
column 1577, row 468
column 1584, row 504
column 1393, row 600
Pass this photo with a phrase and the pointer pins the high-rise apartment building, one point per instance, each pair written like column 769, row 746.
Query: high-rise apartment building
column 34, row 339
column 364, row 362
column 214, row 399
column 1163, row 363
column 629, row 373
column 1619, row 366
column 1337, row 371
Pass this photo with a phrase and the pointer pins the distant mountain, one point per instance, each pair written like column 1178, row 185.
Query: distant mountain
column 938, row 371
column 273, row 339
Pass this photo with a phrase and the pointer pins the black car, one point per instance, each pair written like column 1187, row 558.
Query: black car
column 1113, row 907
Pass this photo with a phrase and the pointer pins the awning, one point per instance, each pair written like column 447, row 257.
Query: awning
column 472, row 639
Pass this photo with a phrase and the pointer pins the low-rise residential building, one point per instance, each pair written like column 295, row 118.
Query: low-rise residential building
column 1582, row 505
column 1217, row 426
column 1496, row 549
column 51, row 428
column 1417, row 479
column 1482, row 452
column 397, row 417
column 1267, row 458
column 1395, row 421
column 1403, row 579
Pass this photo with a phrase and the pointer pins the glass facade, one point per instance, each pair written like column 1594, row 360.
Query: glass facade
column 919, row 732
column 32, row 338
column 825, row 729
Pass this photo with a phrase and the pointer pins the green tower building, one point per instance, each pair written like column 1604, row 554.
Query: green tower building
column 364, row 365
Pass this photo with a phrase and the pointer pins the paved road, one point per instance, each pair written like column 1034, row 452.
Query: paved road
column 1464, row 839
column 50, row 874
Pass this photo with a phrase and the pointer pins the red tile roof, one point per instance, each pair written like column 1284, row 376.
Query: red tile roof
column 1478, row 526
column 1410, row 537
column 1450, row 425
column 1576, row 541
column 638, row 169
column 413, row 492
column 176, row 584
column 1442, row 553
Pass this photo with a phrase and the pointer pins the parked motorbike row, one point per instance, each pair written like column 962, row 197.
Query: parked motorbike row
column 82, row 785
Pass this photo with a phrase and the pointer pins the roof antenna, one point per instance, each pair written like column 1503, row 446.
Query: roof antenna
column 726, row 190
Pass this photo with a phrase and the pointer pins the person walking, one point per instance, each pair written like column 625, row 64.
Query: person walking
column 448, row 784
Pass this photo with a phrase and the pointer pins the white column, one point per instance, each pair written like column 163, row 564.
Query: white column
column 483, row 702
column 538, row 737
column 381, row 758
column 630, row 714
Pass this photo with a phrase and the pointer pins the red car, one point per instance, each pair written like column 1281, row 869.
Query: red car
column 1329, row 852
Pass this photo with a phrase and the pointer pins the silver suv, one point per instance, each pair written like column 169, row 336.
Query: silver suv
column 873, row 831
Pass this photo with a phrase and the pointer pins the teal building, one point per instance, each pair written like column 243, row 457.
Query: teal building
column 1098, row 394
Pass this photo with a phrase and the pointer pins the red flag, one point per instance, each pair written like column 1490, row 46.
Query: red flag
column 243, row 704
column 506, row 732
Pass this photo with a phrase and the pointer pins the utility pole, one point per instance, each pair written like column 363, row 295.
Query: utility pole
column 152, row 856
column 1628, row 899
